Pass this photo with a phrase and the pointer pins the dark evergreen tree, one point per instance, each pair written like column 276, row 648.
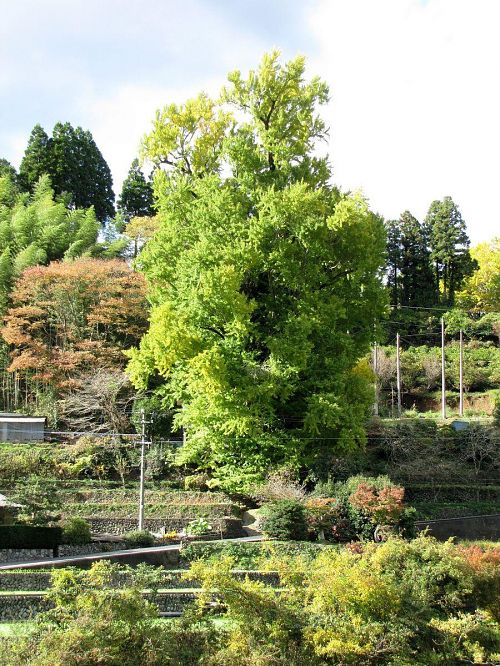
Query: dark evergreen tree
column 80, row 168
column 37, row 160
column 417, row 279
column 136, row 198
column 449, row 244
column 75, row 165
column 393, row 232
column 6, row 169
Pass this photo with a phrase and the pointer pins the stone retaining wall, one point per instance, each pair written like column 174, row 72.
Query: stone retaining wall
column 21, row 607
column 230, row 527
column 31, row 580
column 16, row 607
column 469, row 527
column 28, row 554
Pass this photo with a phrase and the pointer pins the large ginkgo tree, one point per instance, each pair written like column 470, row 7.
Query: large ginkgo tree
column 264, row 279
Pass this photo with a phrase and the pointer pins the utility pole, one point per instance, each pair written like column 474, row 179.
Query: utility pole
column 375, row 368
column 143, row 456
column 443, row 378
column 461, row 404
column 398, row 375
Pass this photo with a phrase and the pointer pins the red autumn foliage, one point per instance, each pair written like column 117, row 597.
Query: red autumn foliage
column 384, row 506
column 480, row 559
column 71, row 317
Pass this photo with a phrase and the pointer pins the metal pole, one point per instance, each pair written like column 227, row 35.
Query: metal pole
column 398, row 375
column 461, row 405
column 443, row 379
column 375, row 367
column 141, row 486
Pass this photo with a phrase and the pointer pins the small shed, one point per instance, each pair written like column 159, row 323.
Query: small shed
column 20, row 428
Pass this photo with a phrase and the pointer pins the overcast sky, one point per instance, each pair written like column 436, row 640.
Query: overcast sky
column 415, row 84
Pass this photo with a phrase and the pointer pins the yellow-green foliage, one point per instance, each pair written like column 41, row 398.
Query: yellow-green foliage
column 395, row 603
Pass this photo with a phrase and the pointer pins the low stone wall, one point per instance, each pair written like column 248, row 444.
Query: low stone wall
column 32, row 580
column 229, row 527
column 14, row 607
column 25, row 554
column 29, row 554
column 468, row 527
column 21, row 607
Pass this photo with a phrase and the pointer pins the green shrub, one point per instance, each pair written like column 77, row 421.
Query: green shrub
column 139, row 539
column 395, row 604
column 76, row 532
column 196, row 482
column 198, row 527
column 285, row 520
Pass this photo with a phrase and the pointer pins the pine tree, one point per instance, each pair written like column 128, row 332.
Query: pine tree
column 136, row 198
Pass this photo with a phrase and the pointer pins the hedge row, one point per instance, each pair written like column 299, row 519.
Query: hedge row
column 29, row 536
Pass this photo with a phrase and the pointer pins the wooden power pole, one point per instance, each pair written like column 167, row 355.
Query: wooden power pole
column 461, row 403
column 375, row 368
column 143, row 456
column 443, row 378
column 398, row 375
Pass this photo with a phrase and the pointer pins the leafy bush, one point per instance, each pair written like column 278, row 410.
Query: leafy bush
column 198, row 527
column 359, row 505
column 139, row 539
column 396, row 604
column 285, row 520
column 323, row 514
column 93, row 624
column 196, row 482
column 76, row 532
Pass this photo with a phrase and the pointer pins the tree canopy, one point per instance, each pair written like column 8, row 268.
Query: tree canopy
column 75, row 165
column 73, row 317
column 136, row 198
column 449, row 244
column 265, row 281
column 481, row 290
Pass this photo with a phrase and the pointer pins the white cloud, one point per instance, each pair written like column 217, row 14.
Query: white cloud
column 415, row 102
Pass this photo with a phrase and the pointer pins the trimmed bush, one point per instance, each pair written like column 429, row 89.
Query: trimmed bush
column 139, row 539
column 196, row 482
column 76, row 532
column 30, row 536
column 285, row 521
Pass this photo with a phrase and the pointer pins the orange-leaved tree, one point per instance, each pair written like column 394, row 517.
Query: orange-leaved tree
column 72, row 317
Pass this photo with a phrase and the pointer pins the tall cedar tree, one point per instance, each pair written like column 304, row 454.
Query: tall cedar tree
column 75, row 165
column 136, row 198
column 73, row 317
column 265, row 281
column 38, row 159
column 6, row 169
column 417, row 279
column 449, row 245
